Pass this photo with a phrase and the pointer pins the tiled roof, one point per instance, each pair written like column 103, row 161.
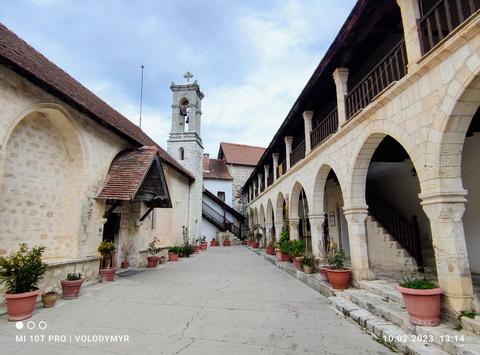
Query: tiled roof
column 29, row 63
column 240, row 154
column 215, row 169
column 126, row 173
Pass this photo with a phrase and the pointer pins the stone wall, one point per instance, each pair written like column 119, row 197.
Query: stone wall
column 240, row 174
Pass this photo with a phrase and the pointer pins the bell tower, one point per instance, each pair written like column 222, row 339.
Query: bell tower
column 185, row 143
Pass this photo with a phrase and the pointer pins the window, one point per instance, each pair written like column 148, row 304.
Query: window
column 154, row 219
column 181, row 154
column 221, row 195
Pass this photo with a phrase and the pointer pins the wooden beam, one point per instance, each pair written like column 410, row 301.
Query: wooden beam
column 146, row 214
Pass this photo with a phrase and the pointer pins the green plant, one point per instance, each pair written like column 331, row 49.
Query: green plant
column 297, row 248
column 152, row 247
column 284, row 243
column 186, row 250
column 336, row 259
column 23, row 269
column 466, row 314
column 106, row 249
column 307, row 261
column 418, row 281
column 74, row 276
column 258, row 236
column 175, row 249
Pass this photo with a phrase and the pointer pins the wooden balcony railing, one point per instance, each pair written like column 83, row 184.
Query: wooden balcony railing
column 297, row 154
column 327, row 127
column 270, row 180
column 442, row 19
column 392, row 68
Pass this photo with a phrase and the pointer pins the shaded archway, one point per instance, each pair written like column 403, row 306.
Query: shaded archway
column 299, row 216
column 270, row 220
column 42, row 184
column 280, row 208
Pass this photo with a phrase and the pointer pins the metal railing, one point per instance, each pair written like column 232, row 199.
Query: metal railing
column 327, row 127
column 442, row 19
column 220, row 220
column 391, row 68
column 406, row 233
column 297, row 154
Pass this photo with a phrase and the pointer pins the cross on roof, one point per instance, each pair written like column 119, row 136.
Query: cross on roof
column 188, row 76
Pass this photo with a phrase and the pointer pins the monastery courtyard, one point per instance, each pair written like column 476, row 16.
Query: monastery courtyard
column 222, row 301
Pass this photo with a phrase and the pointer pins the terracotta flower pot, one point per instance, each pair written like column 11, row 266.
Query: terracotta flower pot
column 203, row 246
column 213, row 243
column 254, row 245
column 107, row 274
column 172, row 257
column 152, row 261
column 71, row 288
column 307, row 269
column 196, row 249
column 269, row 250
column 125, row 264
column 285, row 257
column 21, row 305
column 278, row 254
column 423, row 306
column 49, row 300
column 249, row 242
column 296, row 262
column 226, row 243
column 323, row 274
column 339, row 279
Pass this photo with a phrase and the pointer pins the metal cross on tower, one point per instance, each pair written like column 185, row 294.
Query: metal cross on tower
column 188, row 76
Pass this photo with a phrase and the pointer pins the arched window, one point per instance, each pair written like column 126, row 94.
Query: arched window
column 184, row 112
column 181, row 153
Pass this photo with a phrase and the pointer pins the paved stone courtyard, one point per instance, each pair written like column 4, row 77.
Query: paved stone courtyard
column 223, row 301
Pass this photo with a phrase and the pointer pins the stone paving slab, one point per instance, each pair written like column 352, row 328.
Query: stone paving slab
column 223, row 301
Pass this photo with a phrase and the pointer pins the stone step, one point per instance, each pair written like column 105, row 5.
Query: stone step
column 382, row 288
column 386, row 332
column 471, row 325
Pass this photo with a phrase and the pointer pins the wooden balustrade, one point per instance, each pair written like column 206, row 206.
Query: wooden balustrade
column 442, row 19
column 297, row 154
column 270, row 180
column 326, row 127
column 392, row 68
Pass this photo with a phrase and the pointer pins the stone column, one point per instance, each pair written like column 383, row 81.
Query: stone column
column 259, row 176
column 410, row 11
column 340, row 76
column 255, row 191
column 294, row 223
column 288, row 150
column 357, row 236
column 278, row 229
column 266, row 169
column 268, row 231
column 307, row 123
column 445, row 212
column 275, row 157
column 316, row 226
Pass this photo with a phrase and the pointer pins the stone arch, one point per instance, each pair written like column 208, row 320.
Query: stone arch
column 361, row 161
column 294, row 199
column 42, row 182
column 269, row 217
column 319, row 188
column 261, row 216
column 255, row 216
column 181, row 153
column 279, row 207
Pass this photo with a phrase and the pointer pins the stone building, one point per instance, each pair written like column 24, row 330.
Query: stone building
column 74, row 171
column 379, row 153
column 240, row 159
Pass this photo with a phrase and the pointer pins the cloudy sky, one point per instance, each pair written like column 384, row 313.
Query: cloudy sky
column 250, row 57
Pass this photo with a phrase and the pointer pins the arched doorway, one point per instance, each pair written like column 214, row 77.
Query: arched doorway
column 299, row 216
column 270, row 221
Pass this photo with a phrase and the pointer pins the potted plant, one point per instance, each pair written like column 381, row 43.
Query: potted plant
column 173, row 253
column 153, row 250
column 106, row 249
column 270, row 248
column 71, row 286
column 297, row 250
column 49, row 298
column 307, row 263
column 421, row 296
column 20, row 272
column 284, row 246
column 186, row 251
column 226, row 241
column 325, row 252
column 338, row 274
column 203, row 243
column 127, row 250
column 213, row 243
column 255, row 243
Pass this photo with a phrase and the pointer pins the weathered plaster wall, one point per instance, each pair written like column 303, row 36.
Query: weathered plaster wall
column 240, row 174
column 216, row 185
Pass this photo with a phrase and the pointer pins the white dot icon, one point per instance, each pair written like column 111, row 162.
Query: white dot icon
column 19, row 325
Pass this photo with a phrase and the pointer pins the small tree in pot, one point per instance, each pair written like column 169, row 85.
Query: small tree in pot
column 338, row 274
column 71, row 286
column 307, row 263
column 297, row 250
column 106, row 249
column 270, row 248
column 173, row 253
column 422, row 297
column 153, row 250
column 21, row 272
column 284, row 246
